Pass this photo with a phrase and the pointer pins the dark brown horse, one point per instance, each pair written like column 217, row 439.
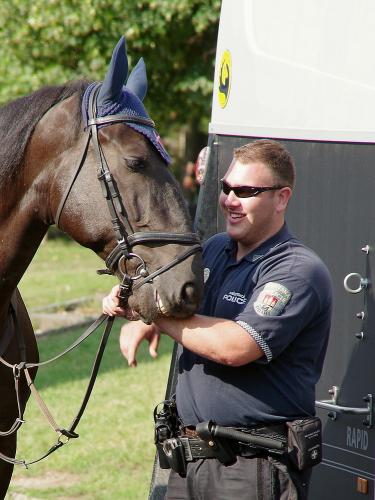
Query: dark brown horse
column 50, row 161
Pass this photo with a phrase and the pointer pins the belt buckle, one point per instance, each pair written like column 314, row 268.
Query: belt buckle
column 189, row 432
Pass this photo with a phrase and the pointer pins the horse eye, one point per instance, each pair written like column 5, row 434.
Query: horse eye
column 135, row 163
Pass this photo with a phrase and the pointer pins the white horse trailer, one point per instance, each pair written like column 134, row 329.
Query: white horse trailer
column 303, row 72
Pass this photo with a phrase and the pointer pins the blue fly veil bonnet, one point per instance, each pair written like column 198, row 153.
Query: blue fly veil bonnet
column 116, row 98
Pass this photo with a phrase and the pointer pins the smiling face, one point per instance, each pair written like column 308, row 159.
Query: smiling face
column 250, row 221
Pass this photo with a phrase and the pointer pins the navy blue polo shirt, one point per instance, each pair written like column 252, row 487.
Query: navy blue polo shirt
column 281, row 294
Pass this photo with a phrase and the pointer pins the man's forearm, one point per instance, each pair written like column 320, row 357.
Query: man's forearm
column 220, row 340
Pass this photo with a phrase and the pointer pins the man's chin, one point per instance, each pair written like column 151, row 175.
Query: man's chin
column 234, row 232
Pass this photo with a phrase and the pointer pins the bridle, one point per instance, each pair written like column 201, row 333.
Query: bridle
column 116, row 260
column 126, row 238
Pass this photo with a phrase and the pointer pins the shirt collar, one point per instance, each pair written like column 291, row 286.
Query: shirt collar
column 277, row 239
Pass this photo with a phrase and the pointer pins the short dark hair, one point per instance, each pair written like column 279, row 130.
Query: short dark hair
column 274, row 155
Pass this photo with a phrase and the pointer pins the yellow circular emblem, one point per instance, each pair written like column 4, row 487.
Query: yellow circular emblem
column 225, row 77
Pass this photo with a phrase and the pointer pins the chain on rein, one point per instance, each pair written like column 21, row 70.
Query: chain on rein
column 123, row 251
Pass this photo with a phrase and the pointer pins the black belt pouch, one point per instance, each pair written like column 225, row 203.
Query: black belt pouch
column 305, row 442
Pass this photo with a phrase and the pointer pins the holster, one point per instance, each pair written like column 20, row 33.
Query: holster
column 305, row 442
column 224, row 452
column 170, row 449
column 173, row 454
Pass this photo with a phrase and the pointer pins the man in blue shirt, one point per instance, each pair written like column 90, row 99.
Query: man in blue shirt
column 255, row 352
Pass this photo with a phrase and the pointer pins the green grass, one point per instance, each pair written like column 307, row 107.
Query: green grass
column 113, row 457
column 61, row 271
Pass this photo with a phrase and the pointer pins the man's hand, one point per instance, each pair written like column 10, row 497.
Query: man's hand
column 132, row 335
column 111, row 306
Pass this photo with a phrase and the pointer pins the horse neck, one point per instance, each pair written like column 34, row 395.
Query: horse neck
column 21, row 235
column 25, row 211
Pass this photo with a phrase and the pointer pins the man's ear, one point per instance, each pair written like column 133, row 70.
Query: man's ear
column 283, row 196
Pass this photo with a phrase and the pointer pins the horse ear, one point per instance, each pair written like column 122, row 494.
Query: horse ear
column 137, row 81
column 111, row 89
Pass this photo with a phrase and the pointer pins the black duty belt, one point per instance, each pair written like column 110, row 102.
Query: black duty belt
column 299, row 442
column 209, row 440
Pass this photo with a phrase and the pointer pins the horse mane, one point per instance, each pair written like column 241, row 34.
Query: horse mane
column 19, row 118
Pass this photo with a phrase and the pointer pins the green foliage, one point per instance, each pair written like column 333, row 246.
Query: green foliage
column 52, row 41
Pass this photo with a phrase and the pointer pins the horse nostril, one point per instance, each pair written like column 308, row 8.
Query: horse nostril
column 189, row 293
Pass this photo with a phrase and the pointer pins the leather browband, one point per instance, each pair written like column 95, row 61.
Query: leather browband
column 104, row 120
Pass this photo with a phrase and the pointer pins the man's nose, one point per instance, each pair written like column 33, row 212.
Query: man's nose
column 232, row 199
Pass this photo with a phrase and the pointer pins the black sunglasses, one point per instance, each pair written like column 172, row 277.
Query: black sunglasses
column 245, row 191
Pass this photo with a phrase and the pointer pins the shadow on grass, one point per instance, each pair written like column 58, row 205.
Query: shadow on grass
column 77, row 364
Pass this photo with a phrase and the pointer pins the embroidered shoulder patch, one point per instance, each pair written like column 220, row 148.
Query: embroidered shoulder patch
column 272, row 299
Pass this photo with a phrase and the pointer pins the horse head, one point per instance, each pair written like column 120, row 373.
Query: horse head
column 140, row 226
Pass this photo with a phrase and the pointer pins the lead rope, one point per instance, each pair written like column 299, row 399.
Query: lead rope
column 71, row 183
column 61, row 432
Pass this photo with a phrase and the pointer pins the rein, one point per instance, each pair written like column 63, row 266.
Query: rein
column 63, row 434
column 123, row 251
